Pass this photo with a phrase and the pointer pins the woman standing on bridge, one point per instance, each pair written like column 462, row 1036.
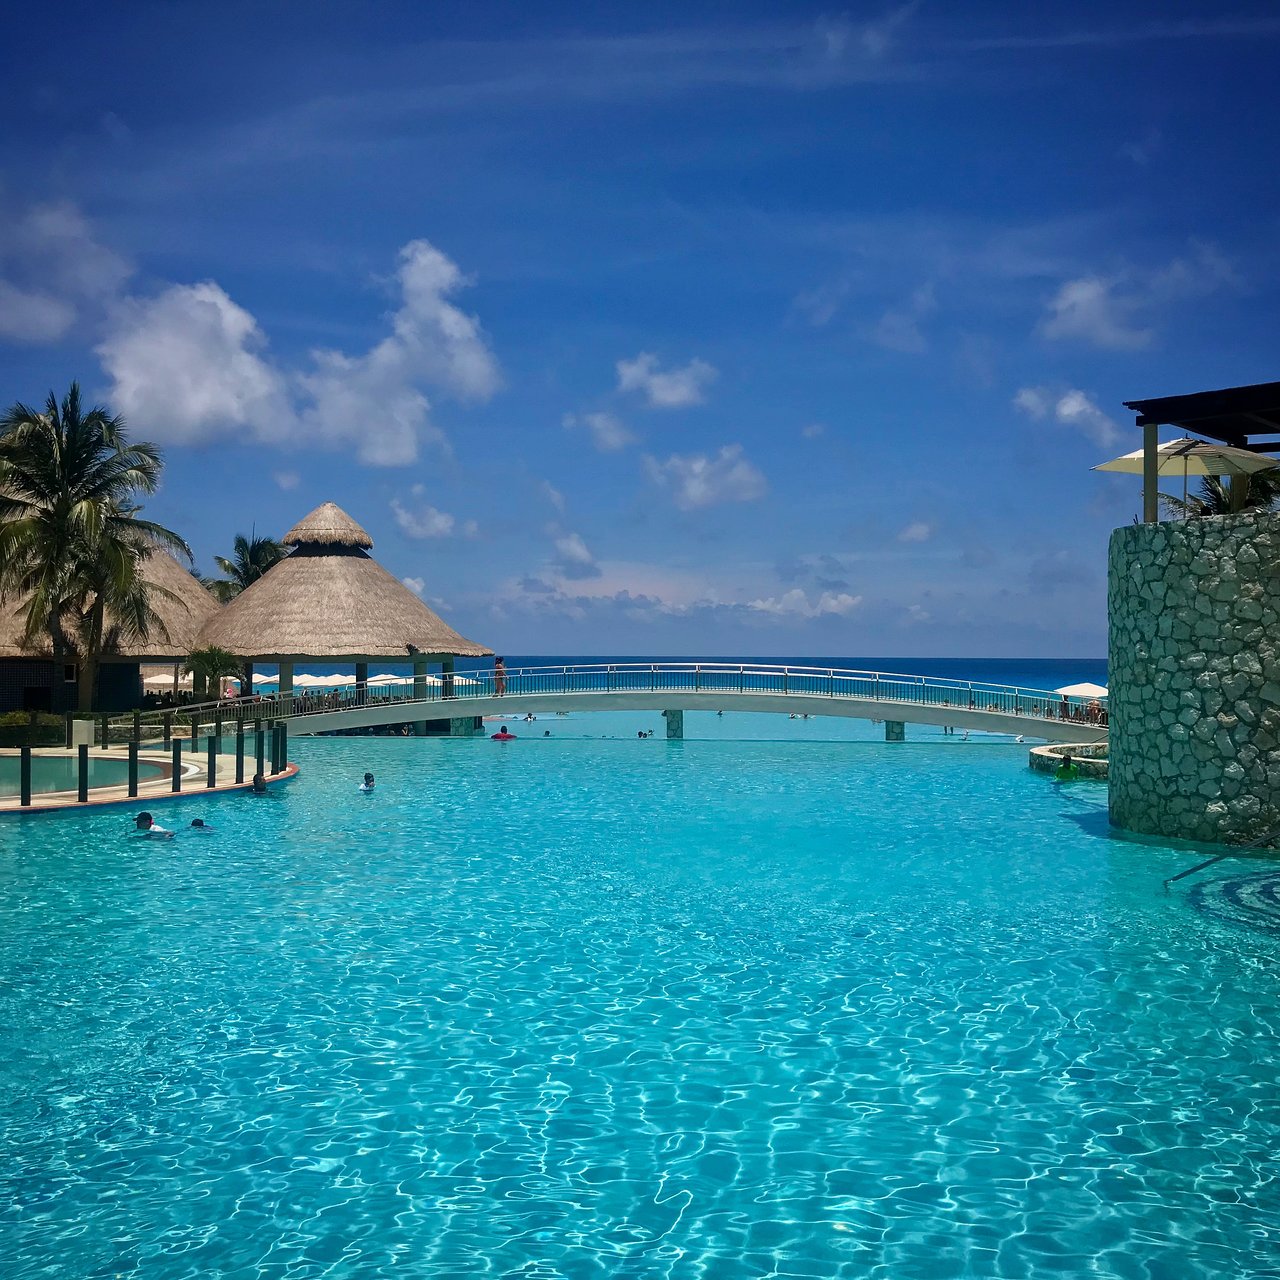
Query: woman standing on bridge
column 499, row 677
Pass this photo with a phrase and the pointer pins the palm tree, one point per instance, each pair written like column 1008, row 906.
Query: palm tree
column 71, row 540
column 1229, row 495
column 208, row 666
column 252, row 557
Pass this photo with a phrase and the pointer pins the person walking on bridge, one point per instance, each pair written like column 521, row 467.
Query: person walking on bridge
column 499, row 677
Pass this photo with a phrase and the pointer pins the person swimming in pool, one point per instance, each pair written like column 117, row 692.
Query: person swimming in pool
column 149, row 829
column 199, row 824
column 1068, row 770
column 503, row 735
column 367, row 784
column 259, row 785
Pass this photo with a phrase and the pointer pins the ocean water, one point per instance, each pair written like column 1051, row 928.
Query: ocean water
column 598, row 1008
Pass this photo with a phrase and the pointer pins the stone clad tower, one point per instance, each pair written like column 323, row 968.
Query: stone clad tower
column 1194, row 675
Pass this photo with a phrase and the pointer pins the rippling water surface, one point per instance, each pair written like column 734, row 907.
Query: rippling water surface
column 637, row 1009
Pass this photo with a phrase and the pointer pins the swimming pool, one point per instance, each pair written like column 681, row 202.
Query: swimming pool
column 58, row 773
column 622, row 1008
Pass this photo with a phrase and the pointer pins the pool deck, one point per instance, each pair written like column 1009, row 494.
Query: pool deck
column 153, row 790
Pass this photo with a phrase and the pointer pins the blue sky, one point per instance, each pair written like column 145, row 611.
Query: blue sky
column 652, row 329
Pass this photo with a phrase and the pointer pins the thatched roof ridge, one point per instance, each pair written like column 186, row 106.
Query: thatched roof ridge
column 328, row 525
column 325, row 603
column 182, row 618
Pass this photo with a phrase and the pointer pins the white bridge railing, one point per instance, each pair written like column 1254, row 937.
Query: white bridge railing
column 448, row 695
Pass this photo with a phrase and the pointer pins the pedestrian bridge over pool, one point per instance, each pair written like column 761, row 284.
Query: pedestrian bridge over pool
column 669, row 687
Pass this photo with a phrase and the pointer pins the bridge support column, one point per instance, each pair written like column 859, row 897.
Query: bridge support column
column 286, row 684
column 465, row 726
column 675, row 723
column 361, row 690
column 895, row 731
column 446, row 676
column 420, row 692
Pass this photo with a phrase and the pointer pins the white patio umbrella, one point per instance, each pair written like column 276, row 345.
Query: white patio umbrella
column 1082, row 690
column 167, row 682
column 1190, row 457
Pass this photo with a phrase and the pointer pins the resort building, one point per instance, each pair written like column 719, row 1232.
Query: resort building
column 330, row 601
column 30, row 681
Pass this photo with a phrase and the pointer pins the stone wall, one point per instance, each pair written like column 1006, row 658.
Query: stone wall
column 1194, row 675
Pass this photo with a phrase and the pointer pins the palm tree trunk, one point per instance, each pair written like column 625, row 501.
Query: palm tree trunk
column 92, row 665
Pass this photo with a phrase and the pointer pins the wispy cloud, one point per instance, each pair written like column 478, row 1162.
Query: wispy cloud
column 1069, row 408
column 420, row 519
column 698, row 480
column 1114, row 311
column 670, row 389
column 916, row 531
column 899, row 328
column 608, row 432
column 52, row 270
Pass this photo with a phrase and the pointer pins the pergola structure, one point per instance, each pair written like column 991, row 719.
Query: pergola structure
column 1243, row 417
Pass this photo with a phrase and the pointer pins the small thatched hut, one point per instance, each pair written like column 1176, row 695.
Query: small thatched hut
column 29, row 682
column 330, row 601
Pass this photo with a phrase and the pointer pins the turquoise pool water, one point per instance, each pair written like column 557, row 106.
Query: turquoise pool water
column 621, row 1008
column 58, row 773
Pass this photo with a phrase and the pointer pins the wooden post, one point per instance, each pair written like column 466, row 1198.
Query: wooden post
column 168, row 727
column 259, row 747
column 106, row 730
column 1150, row 472
column 24, row 774
column 284, row 747
column 240, row 752
column 133, row 768
column 137, row 726
column 175, row 756
column 82, row 773
column 211, row 764
column 419, row 693
column 195, row 734
column 68, row 719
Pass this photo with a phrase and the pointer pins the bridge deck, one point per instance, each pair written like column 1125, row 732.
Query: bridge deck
column 1036, row 713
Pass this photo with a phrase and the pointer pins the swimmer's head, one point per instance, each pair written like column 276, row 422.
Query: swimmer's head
column 368, row 777
column 143, row 821
column 197, row 822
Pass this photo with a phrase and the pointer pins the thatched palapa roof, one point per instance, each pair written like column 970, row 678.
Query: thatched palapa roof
column 174, row 639
column 329, row 600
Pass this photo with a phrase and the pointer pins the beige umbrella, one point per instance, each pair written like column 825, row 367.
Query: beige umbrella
column 1083, row 690
column 1191, row 457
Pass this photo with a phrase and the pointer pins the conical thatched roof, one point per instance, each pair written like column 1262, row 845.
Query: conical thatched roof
column 182, row 618
column 329, row 600
column 328, row 525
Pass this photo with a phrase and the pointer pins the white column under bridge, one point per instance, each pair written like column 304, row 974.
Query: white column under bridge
column 894, row 698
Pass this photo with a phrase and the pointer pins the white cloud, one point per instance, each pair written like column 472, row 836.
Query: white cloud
column 796, row 604
column 898, row 329
column 189, row 366
column 287, row 479
column 1089, row 310
column 1071, row 408
column 185, row 366
column 917, row 613
column 608, row 433
column 1110, row 311
column 51, row 270
column 674, row 389
column 573, row 557
column 916, row 531
column 422, row 520
column 813, row 430
column 696, row 480
column 553, row 495
column 416, row 585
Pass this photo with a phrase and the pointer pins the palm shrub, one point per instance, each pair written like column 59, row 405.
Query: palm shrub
column 1228, row 495
column 209, row 666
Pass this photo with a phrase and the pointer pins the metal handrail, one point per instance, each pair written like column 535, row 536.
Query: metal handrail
column 650, row 677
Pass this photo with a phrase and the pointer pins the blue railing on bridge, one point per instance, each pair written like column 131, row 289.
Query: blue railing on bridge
column 450, row 693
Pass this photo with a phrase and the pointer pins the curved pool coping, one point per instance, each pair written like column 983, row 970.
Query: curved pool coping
column 154, row 790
